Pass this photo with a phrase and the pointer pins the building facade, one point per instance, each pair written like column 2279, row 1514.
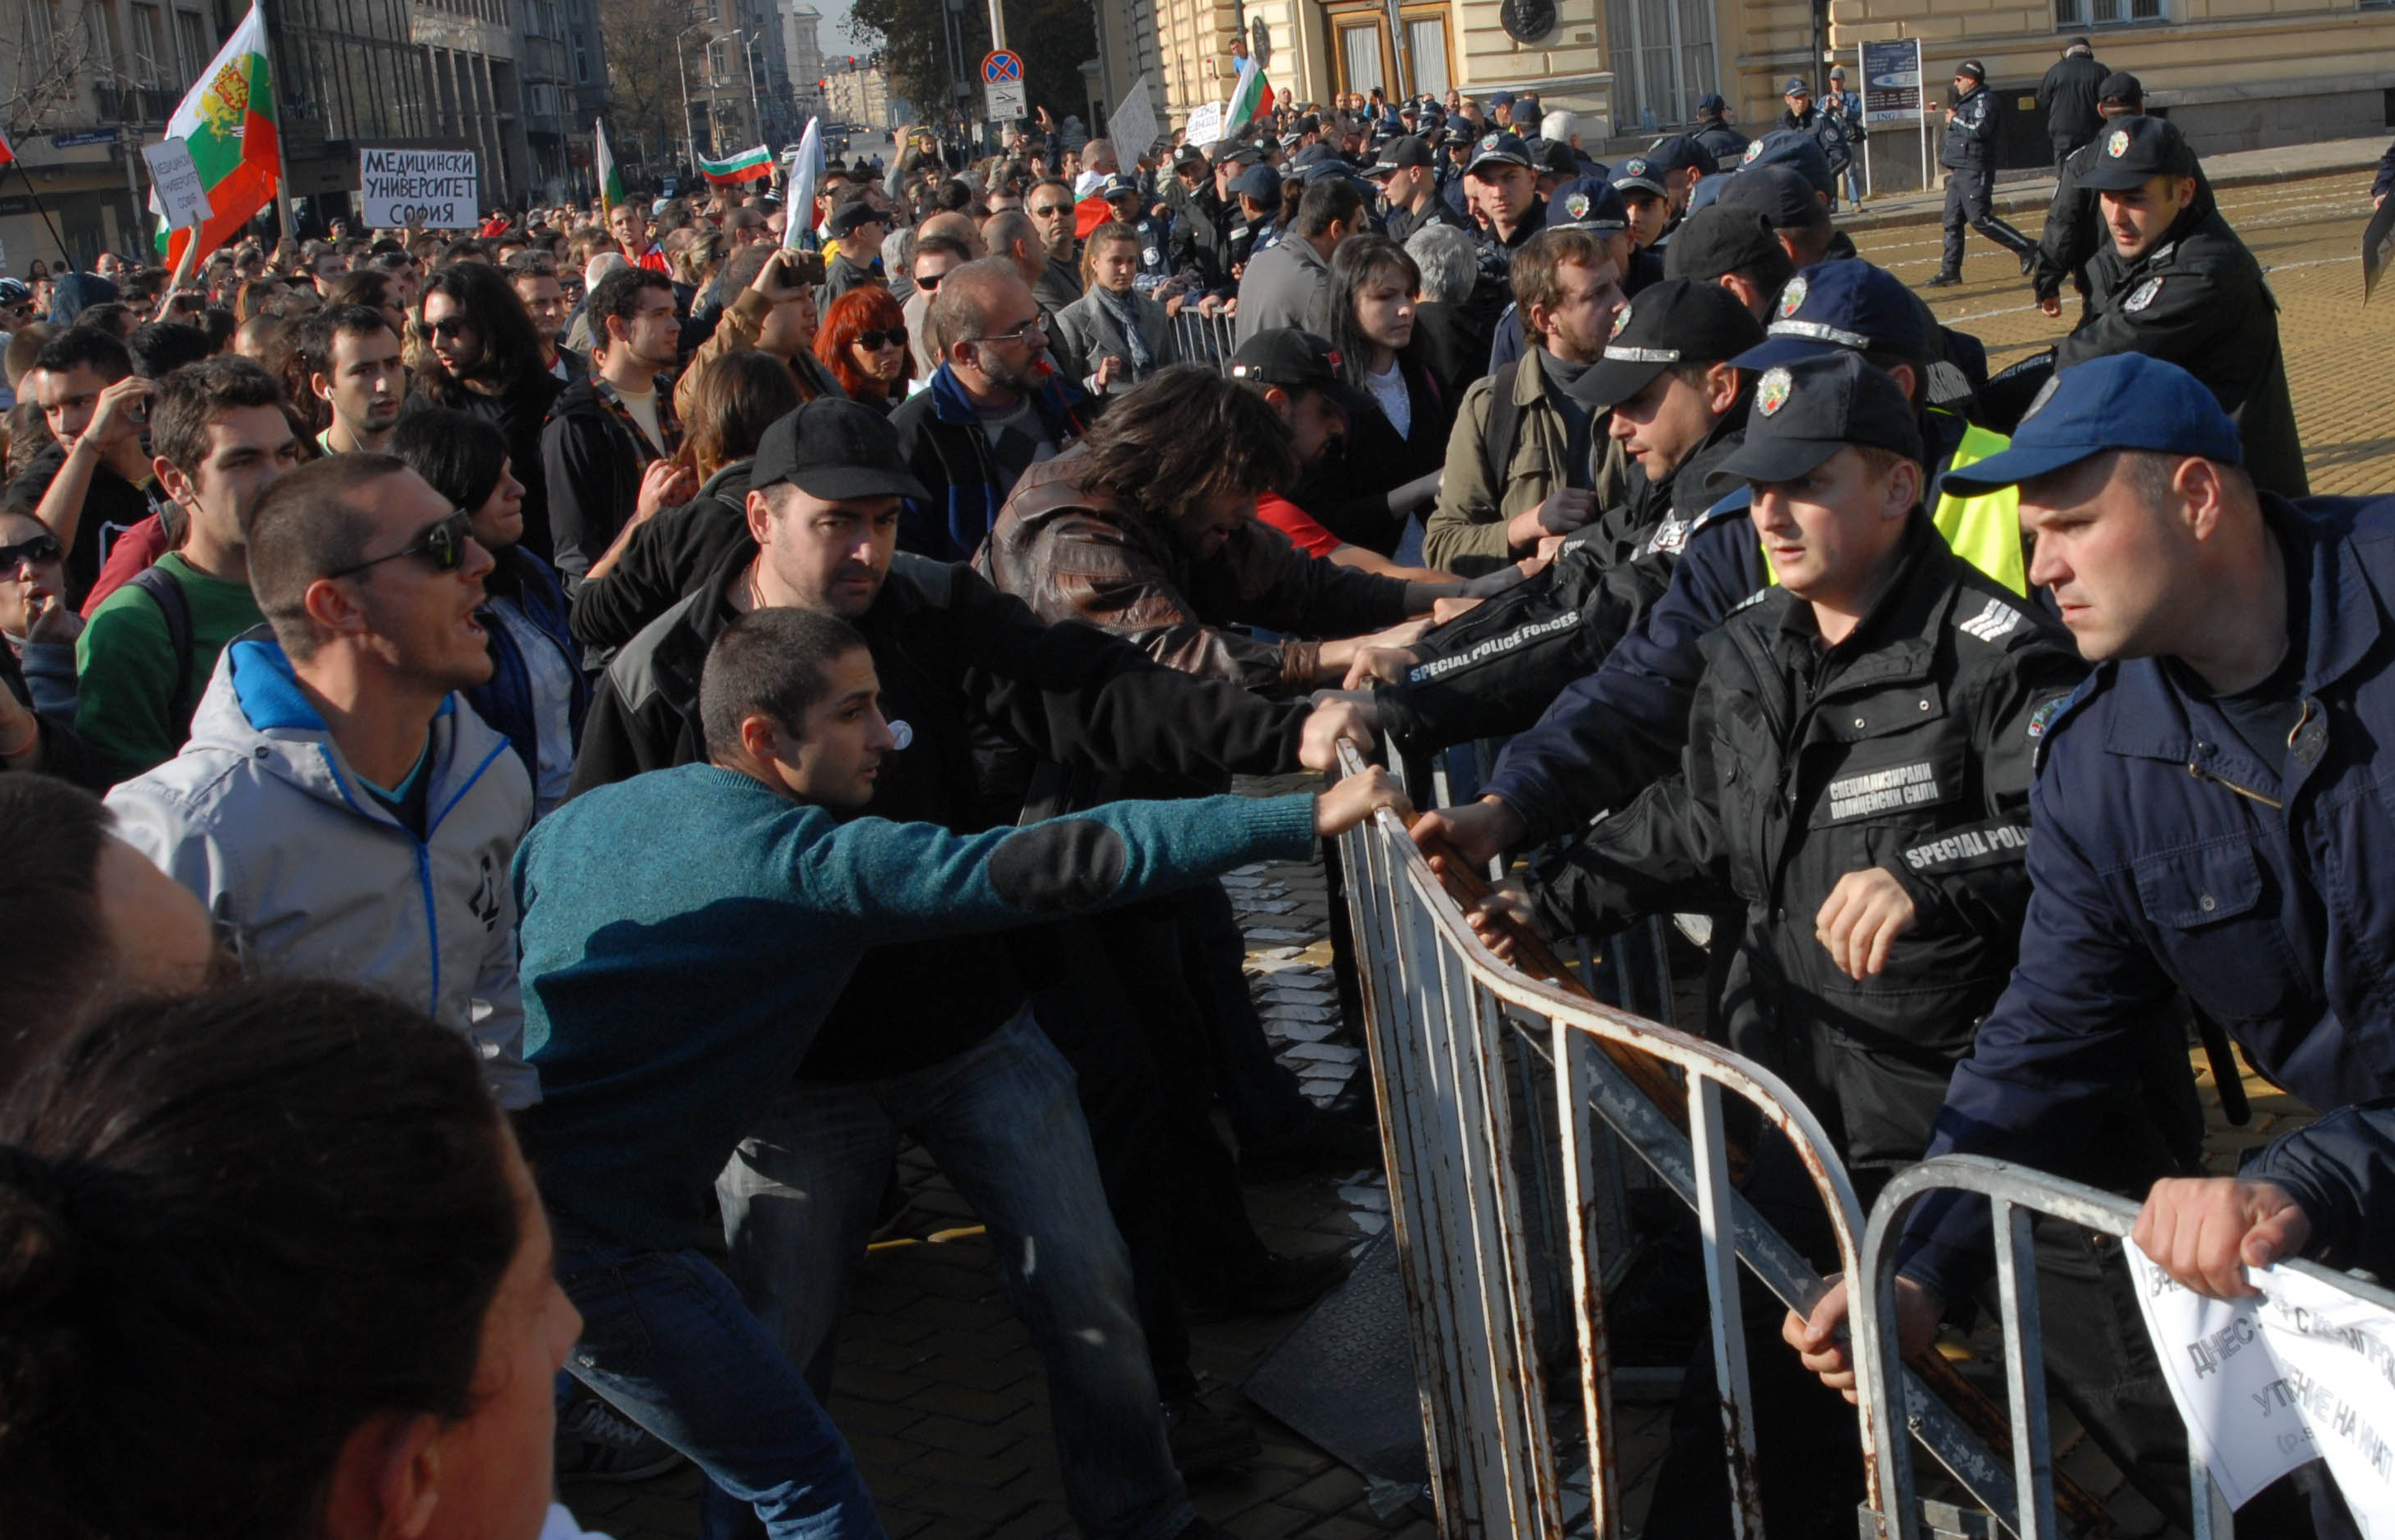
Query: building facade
column 802, row 58
column 859, row 94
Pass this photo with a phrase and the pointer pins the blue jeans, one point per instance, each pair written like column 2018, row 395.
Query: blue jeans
column 798, row 1200
column 668, row 1342
column 1853, row 176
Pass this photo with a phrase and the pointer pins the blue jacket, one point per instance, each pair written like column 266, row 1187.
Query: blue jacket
column 2168, row 858
column 2341, row 1171
column 941, row 436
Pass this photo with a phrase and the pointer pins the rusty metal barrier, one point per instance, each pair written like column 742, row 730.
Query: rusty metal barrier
column 1442, row 1013
column 2014, row 1194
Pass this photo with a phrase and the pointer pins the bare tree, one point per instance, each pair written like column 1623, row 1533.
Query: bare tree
column 41, row 75
column 643, row 71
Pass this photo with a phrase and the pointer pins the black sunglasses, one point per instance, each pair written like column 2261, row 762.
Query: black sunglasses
column 42, row 547
column 443, row 546
column 928, row 285
column 895, row 338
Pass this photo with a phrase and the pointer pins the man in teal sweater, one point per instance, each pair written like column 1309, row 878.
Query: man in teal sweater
column 684, row 933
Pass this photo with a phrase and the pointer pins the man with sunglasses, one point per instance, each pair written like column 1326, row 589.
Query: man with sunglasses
column 338, row 810
column 221, row 440
column 942, row 243
column 34, row 621
column 1051, row 208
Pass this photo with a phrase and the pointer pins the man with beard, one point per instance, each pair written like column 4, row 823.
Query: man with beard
column 481, row 354
column 351, row 357
column 611, row 436
column 534, row 274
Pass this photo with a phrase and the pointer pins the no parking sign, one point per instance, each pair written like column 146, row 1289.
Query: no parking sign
column 1001, row 84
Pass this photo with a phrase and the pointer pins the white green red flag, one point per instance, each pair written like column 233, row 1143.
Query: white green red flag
column 229, row 121
column 1250, row 99
column 806, row 175
column 747, row 166
column 6, row 154
column 602, row 166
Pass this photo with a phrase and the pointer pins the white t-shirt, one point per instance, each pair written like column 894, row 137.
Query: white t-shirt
column 1389, row 388
column 643, row 408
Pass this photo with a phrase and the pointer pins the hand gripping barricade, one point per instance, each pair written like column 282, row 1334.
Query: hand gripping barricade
column 2016, row 1195
column 1441, row 1012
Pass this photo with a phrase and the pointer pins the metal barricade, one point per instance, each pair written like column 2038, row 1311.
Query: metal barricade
column 2014, row 1194
column 1440, row 1012
column 1205, row 339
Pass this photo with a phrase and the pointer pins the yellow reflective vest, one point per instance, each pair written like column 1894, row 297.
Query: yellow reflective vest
column 1983, row 531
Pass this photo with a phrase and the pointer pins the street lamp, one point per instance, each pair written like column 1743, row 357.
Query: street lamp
column 689, row 145
column 749, row 54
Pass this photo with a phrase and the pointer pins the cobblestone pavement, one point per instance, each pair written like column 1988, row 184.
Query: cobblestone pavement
column 2307, row 232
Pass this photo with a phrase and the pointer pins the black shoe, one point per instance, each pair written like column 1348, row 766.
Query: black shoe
column 1342, row 1137
column 1281, row 1283
column 595, row 1443
column 1203, row 1439
column 2028, row 261
column 1944, row 281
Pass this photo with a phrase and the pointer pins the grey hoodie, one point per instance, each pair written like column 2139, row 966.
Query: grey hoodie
column 262, row 818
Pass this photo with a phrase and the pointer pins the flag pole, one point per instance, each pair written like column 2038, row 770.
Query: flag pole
column 289, row 225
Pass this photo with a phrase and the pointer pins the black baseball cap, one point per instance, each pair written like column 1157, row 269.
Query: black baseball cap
column 1845, row 305
column 1499, row 148
column 1188, row 154
column 2121, row 86
column 1780, row 194
column 1677, row 321
column 1587, row 202
column 1553, row 156
column 1296, row 360
column 847, row 216
column 1806, row 411
column 834, row 447
column 2137, row 149
column 1260, row 182
column 1714, row 241
column 1400, row 152
column 1972, row 69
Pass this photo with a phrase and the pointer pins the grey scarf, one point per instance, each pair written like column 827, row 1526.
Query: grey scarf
column 1124, row 307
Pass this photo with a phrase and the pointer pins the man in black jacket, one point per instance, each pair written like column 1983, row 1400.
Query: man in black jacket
column 2074, row 222
column 2069, row 96
column 605, row 431
column 1968, row 153
column 483, row 354
column 935, row 1039
column 2180, row 286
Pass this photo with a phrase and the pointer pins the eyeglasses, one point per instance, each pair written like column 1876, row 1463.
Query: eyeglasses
column 449, row 328
column 1052, row 211
column 443, row 546
column 1029, row 329
column 928, row 285
column 41, row 548
column 875, row 341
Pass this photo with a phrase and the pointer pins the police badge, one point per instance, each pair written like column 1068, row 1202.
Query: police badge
column 1771, row 392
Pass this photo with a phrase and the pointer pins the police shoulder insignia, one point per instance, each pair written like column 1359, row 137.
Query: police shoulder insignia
column 2118, row 145
column 1751, row 600
column 2043, row 717
column 1771, row 392
column 1994, row 622
column 1577, row 206
column 1621, row 320
column 2143, row 297
column 1793, row 297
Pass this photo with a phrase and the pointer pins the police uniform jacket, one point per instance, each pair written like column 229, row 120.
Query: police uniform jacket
column 2168, row 858
column 2197, row 299
column 1725, row 144
column 1969, row 143
column 1907, row 748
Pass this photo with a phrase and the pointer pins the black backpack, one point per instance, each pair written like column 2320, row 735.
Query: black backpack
column 175, row 605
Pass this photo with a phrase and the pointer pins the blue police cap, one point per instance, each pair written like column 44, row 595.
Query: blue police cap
column 1641, row 174
column 1587, row 203
column 1788, row 147
column 1780, row 192
column 1845, row 305
column 1260, row 182
column 1499, row 148
column 1680, row 153
column 1806, row 411
column 1706, row 193
column 2126, row 401
column 1711, row 102
column 2135, row 150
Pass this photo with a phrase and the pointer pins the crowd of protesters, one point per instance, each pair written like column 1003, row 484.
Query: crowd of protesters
column 534, row 758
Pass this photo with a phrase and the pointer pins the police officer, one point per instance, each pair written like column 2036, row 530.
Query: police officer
column 1826, row 129
column 1154, row 229
column 2071, row 96
column 2209, row 809
column 1858, row 774
column 1406, row 175
column 2075, row 224
column 1502, row 187
column 1714, row 135
column 2178, row 284
column 1968, row 153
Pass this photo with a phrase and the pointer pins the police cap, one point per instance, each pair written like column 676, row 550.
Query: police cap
column 2123, row 400
column 2121, row 88
column 1717, row 241
column 1296, row 360
column 1260, row 182
column 1401, row 153
column 1845, row 305
column 2135, row 150
column 1797, row 87
column 1499, row 148
column 1639, row 174
column 1971, row 69
column 1679, row 152
column 1807, row 411
column 1554, row 157
column 1587, row 203
column 1780, row 194
column 1677, row 321
column 1798, row 150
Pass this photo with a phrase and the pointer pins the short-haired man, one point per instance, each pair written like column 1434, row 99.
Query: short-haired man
column 534, row 277
column 2182, row 288
column 858, row 226
column 1285, row 285
column 935, row 253
column 93, row 483
column 2074, row 229
column 1503, row 191
column 773, row 309
column 630, row 229
column 605, row 433
column 993, row 409
column 354, row 366
column 221, row 438
column 1050, row 206
column 1519, row 461
column 1716, row 136
column 2071, row 96
column 1408, row 177
column 339, row 809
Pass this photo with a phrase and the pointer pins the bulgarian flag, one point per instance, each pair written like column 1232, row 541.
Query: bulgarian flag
column 6, row 154
column 602, row 166
column 747, row 166
column 229, row 121
column 1250, row 99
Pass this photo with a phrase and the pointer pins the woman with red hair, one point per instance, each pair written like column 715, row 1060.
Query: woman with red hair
column 863, row 342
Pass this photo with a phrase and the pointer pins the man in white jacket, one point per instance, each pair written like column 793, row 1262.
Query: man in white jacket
column 339, row 810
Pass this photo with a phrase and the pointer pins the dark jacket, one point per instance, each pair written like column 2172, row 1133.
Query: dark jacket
column 2067, row 97
column 2159, row 866
column 1455, row 335
column 955, row 661
column 665, row 560
column 2341, row 1170
column 842, row 275
column 1725, row 144
column 1826, row 129
column 1349, row 491
column 1076, row 552
column 1969, row 142
column 63, row 754
column 2074, row 229
column 520, row 414
column 1493, row 670
column 941, row 436
column 2197, row 299
column 1399, row 224
column 1907, row 748
column 593, row 460
column 110, row 506
column 505, row 698
column 1201, row 240
column 1059, row 285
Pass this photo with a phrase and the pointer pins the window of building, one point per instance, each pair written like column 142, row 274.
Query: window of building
column 191, row 35
column 151, row 64
column 2069, row 14
column 581, row 60
column 1363, row 56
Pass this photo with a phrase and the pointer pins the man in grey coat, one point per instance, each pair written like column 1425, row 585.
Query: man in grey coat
column 1283, row 286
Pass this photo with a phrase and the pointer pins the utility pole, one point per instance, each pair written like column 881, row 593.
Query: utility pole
column 756, row 113
column 997, row 25
column 689, row 143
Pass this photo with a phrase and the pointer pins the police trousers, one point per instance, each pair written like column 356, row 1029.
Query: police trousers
column 1968, row 189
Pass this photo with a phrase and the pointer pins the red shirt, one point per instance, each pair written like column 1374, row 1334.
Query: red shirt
column 128, row 554
column 1300, row 526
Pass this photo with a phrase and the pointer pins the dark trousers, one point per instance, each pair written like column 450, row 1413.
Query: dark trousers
column 1967, row 204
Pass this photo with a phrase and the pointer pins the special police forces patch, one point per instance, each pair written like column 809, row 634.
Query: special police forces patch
column 1792, row 296
column 2144, row 295
column 1621, row 318
column 2118, row 145
column 2043, row 717
column 1771, row 392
